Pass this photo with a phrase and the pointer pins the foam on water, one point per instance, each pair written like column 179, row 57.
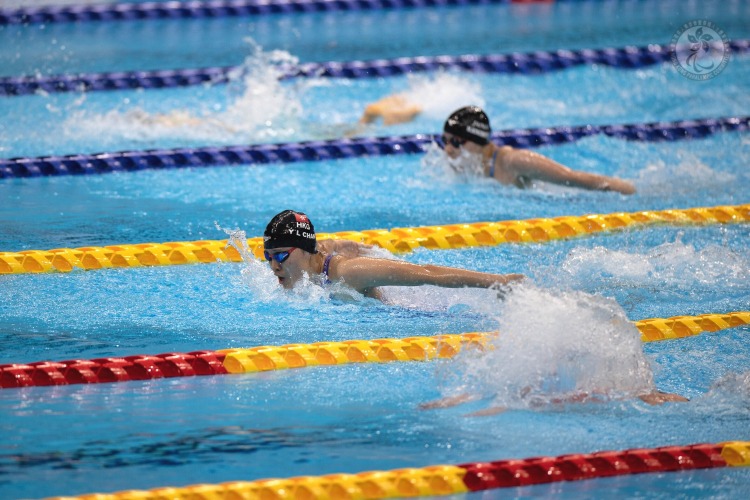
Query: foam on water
column 684, row 177
column 670, row 264
column 259, row 107
column 441, row 93
column 582, row 347
column 437, row 166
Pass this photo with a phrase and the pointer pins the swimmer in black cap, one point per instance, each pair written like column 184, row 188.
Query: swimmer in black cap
column 292, row 250
column 468, row 130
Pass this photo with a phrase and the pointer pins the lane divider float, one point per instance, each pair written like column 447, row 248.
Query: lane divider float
column 398, row 240
column 463, row 478
column 267, row 358
column 198, row 9
column 314, row 151
column 514, row 63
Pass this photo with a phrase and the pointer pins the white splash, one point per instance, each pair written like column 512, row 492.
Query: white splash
column 437, row 166
column 669, row 264
column 554, row 348
column 731, row 387
column 260, row 108
column 255, row 275
column 684, row 177
column 441, row 93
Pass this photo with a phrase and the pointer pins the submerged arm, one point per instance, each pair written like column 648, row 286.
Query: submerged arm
column 532, row 165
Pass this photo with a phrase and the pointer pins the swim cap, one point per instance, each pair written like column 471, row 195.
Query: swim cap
column 290, row 229
column 470, row 123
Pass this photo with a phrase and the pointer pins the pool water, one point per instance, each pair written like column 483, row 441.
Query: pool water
column 566, row 330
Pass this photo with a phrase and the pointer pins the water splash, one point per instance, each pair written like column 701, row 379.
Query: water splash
column 259, row 108
column 680, row 178
column 437, row 166
column 441, row 93
column 570, row 346
column 670, row 264
column 255, row 275
column 731, row 387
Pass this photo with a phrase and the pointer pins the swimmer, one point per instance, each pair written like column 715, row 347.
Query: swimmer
column 468, row 131
column 292, row 250
column 653, row 398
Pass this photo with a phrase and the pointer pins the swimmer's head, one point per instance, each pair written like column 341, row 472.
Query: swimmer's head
column 290, row 229
column 469, row 123
column 286, row 239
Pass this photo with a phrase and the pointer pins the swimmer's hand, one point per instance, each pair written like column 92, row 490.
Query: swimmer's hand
column 393, row 109
column 618, row 185
column 659, row 397
column 487, row 412
column 447, row 402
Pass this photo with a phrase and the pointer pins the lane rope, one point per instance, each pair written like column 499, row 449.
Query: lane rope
column 397, row 240
column 291, row 356
column 538, row 62
column 463, row 478
column 313, row 151
column 210, row 9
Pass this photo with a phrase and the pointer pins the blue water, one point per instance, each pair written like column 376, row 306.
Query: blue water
column 345, row 195
column 565, row 324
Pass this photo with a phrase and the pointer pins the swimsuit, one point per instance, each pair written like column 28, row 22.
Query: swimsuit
column 492, row 165
column 326, row 263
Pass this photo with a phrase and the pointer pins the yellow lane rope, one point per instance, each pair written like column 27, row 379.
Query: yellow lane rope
column 267, row 358
column 397, row 240
column 398, row 483
column 428, row 481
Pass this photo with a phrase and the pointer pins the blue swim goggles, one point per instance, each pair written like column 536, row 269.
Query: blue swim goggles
column 278, row 256
column 454, row 141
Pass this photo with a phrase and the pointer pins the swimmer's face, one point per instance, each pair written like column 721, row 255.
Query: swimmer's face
column 290, row 270
column 454, row 145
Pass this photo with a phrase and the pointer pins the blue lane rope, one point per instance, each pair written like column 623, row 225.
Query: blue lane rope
column 210, row 9
column 127, row 161
column 528, row 63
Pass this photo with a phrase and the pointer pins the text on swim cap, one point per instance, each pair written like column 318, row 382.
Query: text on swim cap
column 301, row 230
column 481, row 132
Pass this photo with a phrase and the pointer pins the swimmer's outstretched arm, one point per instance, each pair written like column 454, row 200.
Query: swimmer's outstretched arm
column 658, row 397
column 532, row 165
column 448, row 402
column 364, row 273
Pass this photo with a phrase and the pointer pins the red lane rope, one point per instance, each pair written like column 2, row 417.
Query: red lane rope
column 508, row 473
column 102, row 370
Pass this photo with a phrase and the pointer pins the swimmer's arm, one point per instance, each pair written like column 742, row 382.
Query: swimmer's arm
column 524, row 163
column 659, row 397
column 364, row 273
column 448, row 402
column 393, row 109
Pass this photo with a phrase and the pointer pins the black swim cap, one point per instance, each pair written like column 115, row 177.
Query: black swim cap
column 470, row 123
column 290, row 229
